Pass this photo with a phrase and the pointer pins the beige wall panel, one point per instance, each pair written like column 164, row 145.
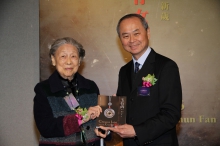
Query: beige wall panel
column 183, row 30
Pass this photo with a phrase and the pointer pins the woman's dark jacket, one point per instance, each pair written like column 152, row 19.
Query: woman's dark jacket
column 55, row 121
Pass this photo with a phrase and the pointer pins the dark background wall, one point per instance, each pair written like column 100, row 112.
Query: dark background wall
column 19, row 70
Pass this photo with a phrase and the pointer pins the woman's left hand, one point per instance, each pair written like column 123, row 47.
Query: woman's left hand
column 94, row 111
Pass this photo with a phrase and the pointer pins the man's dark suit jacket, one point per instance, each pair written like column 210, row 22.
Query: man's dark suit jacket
column 153, row 117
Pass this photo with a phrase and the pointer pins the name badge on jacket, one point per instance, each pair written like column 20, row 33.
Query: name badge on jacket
column 71, row 101
column 143, row 91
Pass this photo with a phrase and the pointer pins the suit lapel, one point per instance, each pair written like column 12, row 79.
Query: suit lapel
column 130, row 74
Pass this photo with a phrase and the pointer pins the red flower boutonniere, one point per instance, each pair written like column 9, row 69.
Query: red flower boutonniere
column 149, row 80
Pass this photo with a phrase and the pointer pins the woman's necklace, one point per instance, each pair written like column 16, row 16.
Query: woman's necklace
column 71, row 91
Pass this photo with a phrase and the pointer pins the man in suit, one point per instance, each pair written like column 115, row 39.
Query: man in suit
column 151, row 118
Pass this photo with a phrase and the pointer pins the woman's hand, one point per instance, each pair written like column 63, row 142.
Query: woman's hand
column 101, row 131
column 94, row 111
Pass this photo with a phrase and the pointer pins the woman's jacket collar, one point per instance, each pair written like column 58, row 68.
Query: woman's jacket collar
column 56, row 84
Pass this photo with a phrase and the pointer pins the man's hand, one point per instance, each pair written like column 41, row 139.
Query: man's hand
column 125, row 131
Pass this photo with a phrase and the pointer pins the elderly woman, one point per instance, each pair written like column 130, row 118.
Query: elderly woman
column 65, row 104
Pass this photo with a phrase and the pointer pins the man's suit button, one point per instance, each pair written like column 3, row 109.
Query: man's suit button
column 146, row 143
column 132, row 99
column 132, row 119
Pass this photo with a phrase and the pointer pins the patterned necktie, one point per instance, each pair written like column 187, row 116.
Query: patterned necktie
column 136, row 67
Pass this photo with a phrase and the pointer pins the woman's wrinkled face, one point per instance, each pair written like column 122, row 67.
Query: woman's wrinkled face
column 66, row 60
